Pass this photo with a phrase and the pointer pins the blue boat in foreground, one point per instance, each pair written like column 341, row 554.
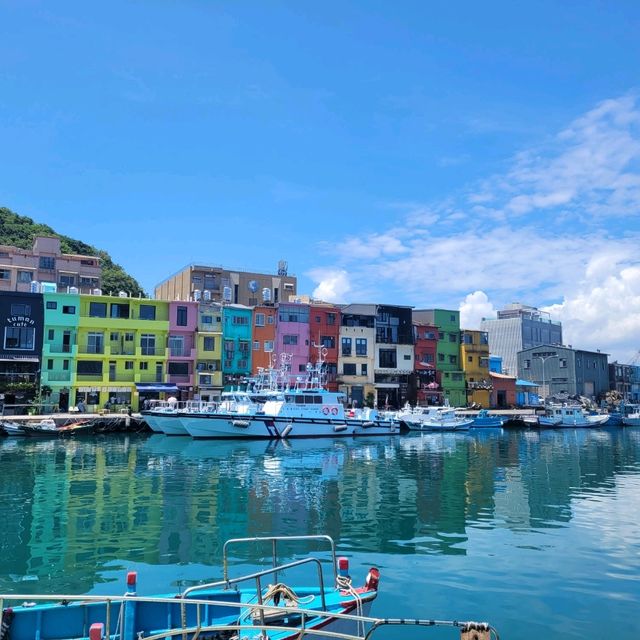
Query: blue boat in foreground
column 488, row 420
column 220, row 610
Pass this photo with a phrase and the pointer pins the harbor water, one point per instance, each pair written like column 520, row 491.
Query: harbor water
column 535, row 532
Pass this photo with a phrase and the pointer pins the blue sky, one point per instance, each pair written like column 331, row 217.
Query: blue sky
column 457, row 154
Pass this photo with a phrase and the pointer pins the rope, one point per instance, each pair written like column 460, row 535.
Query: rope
column 344, row 584
column 272, row 595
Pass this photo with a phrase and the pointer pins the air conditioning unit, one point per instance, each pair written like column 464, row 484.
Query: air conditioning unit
column 201, row 366
column 211, row 367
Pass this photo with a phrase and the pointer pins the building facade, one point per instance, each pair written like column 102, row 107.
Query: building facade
column 24, row 270
column 519, row 327
column 236, row 333
column 448, row 362
column 324, row 332
column 182, row 348
column 625, row 379
column 264, row 338
column 293, row 337
column 209, row 343
column 474, row 353
column 356, row 359
column 216, row 284
column 563, row 370
column 425, row 386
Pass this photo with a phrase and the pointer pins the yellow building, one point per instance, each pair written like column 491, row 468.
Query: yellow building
column 474, row 350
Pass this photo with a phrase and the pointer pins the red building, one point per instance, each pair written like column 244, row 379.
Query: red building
column 264, row 338
column 503, row 394
column 324, row 330
column 427, row 389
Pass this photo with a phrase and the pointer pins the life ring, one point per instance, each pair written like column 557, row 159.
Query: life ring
column 334, row 411
column 325, row 410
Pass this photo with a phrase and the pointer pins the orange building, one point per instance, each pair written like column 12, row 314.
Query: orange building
column 324, row 330
column 264, row 338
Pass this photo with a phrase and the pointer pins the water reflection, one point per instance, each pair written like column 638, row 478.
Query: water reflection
column 72, row 512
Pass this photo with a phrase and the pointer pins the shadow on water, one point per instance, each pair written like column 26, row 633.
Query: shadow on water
column 504, row 504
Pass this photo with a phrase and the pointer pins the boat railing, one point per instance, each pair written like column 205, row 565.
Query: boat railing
column 227, row 582
column 482, row 629
column 274, row 540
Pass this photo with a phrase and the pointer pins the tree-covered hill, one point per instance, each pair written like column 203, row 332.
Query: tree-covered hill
column 21, row 231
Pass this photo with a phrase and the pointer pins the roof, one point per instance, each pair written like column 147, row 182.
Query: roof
column 525, row 383
column 358, row 309
column 501, row 375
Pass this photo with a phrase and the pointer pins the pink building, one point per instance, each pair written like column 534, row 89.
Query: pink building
column 19, row 268
column 292, row 336
column 183, row 324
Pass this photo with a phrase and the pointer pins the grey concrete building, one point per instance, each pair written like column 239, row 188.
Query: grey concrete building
column 217, row 284
column 559, row 369
column 519, row 327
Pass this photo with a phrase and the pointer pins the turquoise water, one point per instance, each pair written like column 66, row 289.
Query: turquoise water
column 538, row 533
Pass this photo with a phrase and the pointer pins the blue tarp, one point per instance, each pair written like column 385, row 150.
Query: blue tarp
column 156, row 386
column 525, row 383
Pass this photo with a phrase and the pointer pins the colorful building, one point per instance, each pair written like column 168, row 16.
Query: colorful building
column 448, row 353
column 183, row 324
column 357, row 358
column 60, row 348
column 324, row 331
column 209, row 351
column 292, row 336
column 503, row 390
column 425, row 385
column 474, row 353
column 264, row 338
column 236, row 333
column 122, row 351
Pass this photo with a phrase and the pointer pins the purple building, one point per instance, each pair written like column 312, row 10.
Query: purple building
column 183, row 323
column 292, row 336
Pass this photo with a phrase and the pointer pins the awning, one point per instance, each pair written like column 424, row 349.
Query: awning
column 525, row 383
column 19, row 359
column 156, row 386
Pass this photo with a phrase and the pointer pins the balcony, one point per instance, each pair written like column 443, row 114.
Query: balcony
column 122, row 376
column 59, row 348
column 91, row 348
column 57, row 376
column 185, row 352
column 117, row 350
column 153, row 351
column 150, row 377
column 89, row 377
column 180, row 378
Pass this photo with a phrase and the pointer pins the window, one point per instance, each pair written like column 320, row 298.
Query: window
column 363, row 369
column 240, row 320
column 147, row 312
column 69, row 309
column 346, row 346
column 361, row 346
column 114, row 336
column 120, row 310
column 440, row 335
column 97, row 309
column 527, row 364
column 441, row 357
column 88, row 263
column 302, row 368
column 469, row 358
column 426, row 358
column 51, row 334
column 5, row 274
column 456, row 376
column 205, row 379
column 52, row 305
column 430, row 335
column 243, row 347
column 207, row 319
column 66, row 280
column 349, row 369
column 317, row 319
column 128, row 337
column 290, row 339
column 20, row 309
column 178, row 368
column 454, row 338
column 88, row 282
column 144, row 366
column 95, row 342
column 452, row 318
column 46, row 263
column 331, row 318
column 50, row 363
column 209, row 343
column 407, row 356
column 269, row 319
column 181, row 316
column 453, row 359
column 467, row 338
column 210, row 282
column 65, row 365
column 268, row 346
column 148, row 344
column 563, row 363
column 89, row 367
column 388, row 359
column 128, row 364
column 25, row 276
column 259, row 319
column 328, row 341
column 484, row 338
column 256, row 345
column 484, row 363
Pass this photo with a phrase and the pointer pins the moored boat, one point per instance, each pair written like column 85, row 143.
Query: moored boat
column 571, row 416
column 487, row 420
column 11, row 428
column 434, row 419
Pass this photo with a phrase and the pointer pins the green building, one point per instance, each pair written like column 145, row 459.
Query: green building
column 448, row 365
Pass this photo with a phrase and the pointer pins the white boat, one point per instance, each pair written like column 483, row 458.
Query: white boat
column 434, row 419
column 632, row 419
column 165, row 417
column 571, row 416
column 11, row 428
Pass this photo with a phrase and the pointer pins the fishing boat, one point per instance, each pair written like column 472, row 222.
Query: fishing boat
column 11, row 428
column 433, row 419
column 487, row 420
column 45, row 427
column 632, row 419
column 571, row 416
column 234, row 607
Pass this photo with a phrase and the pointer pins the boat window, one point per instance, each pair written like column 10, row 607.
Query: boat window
column 317, row 399
column 290, row 399
column 300, row 399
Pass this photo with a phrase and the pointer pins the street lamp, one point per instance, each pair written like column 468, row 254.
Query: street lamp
column 544, row 359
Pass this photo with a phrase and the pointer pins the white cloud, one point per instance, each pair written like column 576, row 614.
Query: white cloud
column 474, row 308
column 333, row 284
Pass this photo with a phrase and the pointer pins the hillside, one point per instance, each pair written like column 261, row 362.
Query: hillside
column 20, row 231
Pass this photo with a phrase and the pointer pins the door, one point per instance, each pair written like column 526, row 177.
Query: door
column 95, row 343
column 158, row 371
column 112, row 372
column 176, row 345
column 66, row 347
